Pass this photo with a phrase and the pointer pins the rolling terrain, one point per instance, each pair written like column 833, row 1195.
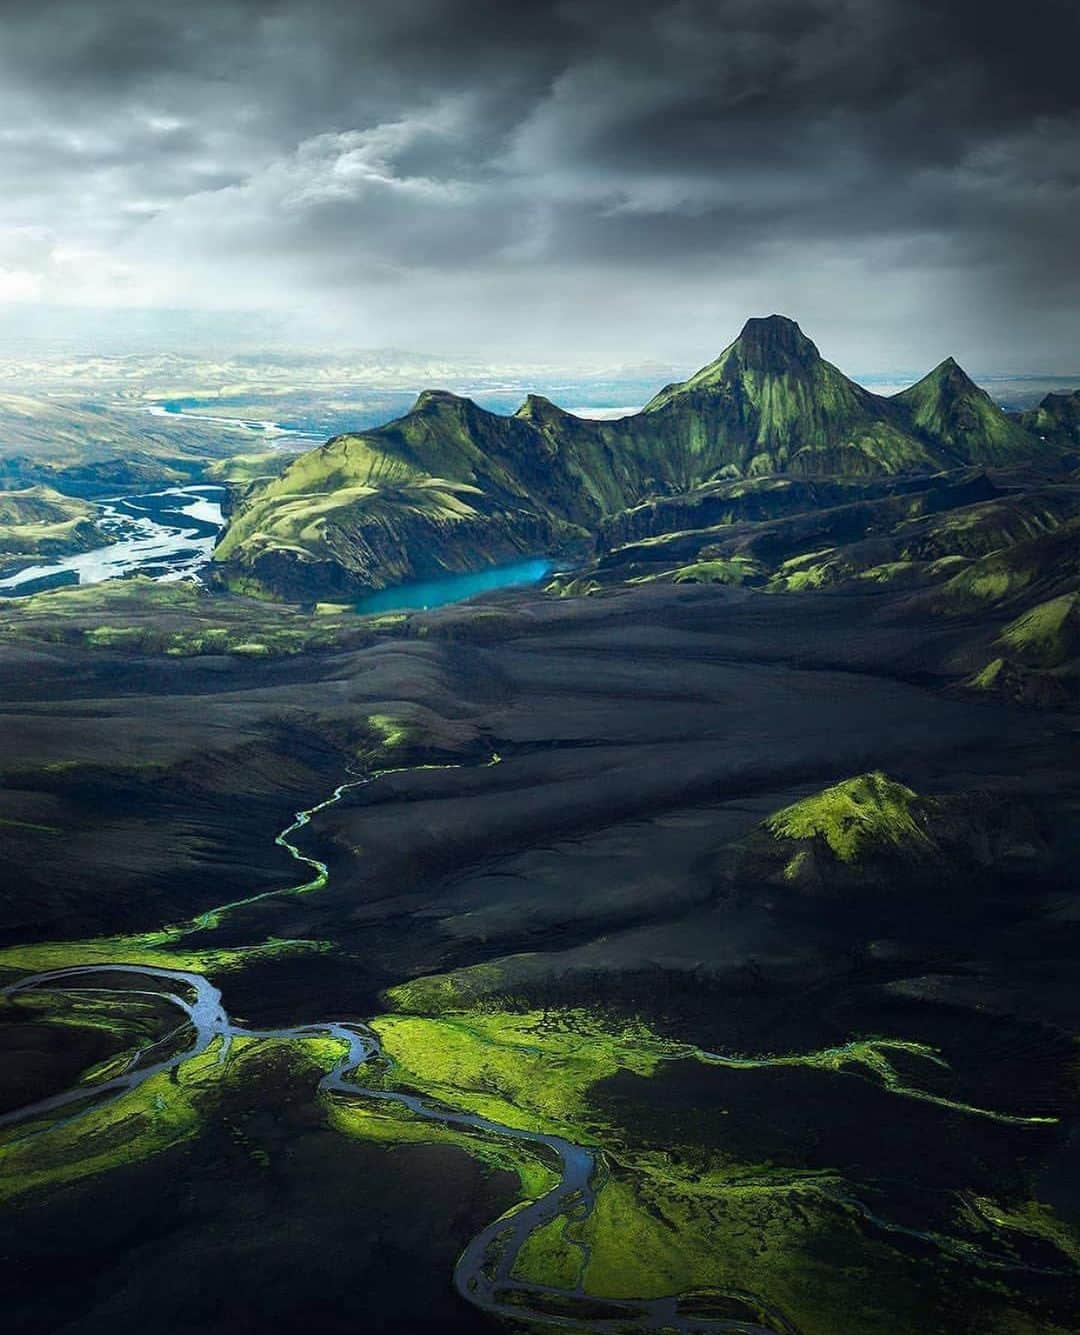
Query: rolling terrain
column 38, row 521
column 90, row 449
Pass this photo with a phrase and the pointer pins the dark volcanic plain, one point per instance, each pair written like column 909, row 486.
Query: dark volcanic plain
column 643, row 735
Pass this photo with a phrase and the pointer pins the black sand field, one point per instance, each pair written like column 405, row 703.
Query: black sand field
column 640, row 738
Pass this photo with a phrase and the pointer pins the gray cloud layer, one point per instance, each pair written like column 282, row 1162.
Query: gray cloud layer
column 615, row 177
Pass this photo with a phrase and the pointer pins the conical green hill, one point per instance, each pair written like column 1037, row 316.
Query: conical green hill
column 947, row 408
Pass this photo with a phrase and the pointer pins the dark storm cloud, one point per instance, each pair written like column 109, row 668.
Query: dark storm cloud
column 439, row 169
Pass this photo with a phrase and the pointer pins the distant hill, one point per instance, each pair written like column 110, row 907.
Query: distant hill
column 451, row 487
column 38, row 521
column 1056, row 420
column 86, row 449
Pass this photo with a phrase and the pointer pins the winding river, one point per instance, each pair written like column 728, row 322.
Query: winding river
column 483, row 1274
column 484, row 1271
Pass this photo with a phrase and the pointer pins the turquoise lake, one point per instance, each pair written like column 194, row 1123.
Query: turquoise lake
column 454, row 588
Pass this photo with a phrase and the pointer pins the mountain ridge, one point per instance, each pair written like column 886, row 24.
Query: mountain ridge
column 451, row 486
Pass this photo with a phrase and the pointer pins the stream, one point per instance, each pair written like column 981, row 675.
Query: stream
column 483, row 1274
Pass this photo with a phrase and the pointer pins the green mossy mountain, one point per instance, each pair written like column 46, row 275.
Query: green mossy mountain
column 949, row 410
column 1056, row 420
column 451, row 487
column 872, row 835
column 770, row 403
column 857, row 818
column 447, row 487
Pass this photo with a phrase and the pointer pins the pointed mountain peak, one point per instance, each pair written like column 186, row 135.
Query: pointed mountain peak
column 948, row 377
column 537, row 403
column 773, row 343
column 948, row 408
column 775, row 372
column 537, row 408
column 951, row 372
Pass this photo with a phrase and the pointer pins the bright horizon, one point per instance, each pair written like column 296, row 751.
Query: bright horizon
column 63, row 342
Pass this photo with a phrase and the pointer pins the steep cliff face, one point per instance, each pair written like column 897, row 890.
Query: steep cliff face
column 451, row 487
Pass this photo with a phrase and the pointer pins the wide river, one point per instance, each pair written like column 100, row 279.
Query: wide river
column 164, row 534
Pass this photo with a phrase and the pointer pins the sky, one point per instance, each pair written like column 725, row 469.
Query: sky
column 603, row 180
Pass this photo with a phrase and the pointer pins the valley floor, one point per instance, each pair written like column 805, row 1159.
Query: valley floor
column 822, row 1094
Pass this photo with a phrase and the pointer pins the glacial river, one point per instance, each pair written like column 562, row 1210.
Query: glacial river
column 165, row 534
column 170, row 534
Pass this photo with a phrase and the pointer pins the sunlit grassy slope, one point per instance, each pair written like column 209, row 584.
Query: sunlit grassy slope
column 40, row 521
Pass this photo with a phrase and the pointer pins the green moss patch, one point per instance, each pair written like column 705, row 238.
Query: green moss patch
column 162, row 949
column 158, row 1114
column 1047, row 635
column 392, row 1125
column 855, row 817
column 524, row 1070
column 179, row 619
